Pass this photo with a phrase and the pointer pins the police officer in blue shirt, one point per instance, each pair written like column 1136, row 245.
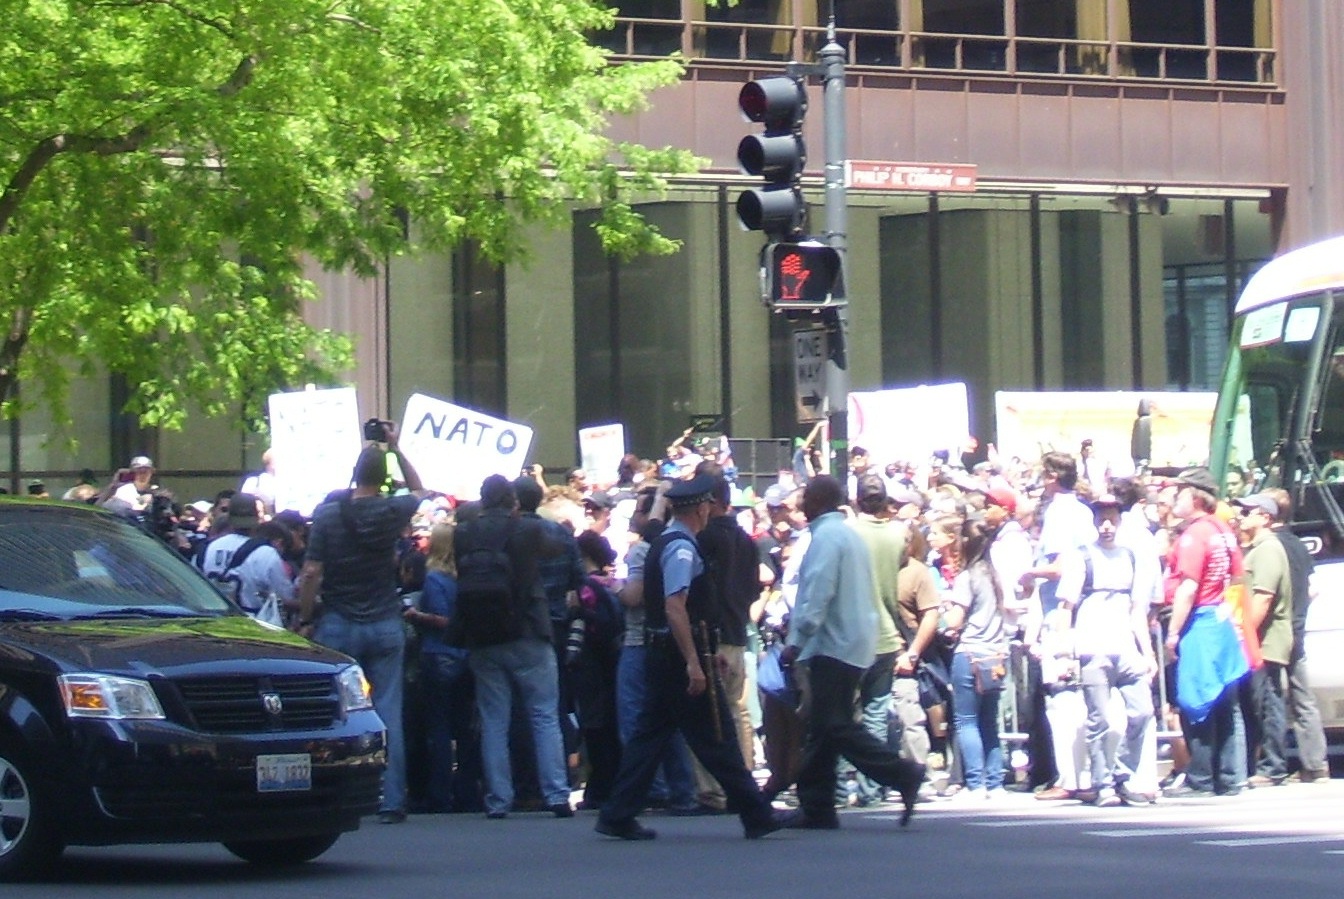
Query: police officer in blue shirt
column 678, row 599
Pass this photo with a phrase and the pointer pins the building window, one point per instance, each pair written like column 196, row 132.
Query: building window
column 479, row 370
column 633, row 334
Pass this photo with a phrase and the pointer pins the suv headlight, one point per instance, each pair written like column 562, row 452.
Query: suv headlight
column 107, row 696
column 354, row 688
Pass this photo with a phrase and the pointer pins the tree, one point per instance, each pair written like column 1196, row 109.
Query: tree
column 167, row 166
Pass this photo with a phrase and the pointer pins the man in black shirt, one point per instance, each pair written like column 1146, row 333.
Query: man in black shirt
column 351, row 561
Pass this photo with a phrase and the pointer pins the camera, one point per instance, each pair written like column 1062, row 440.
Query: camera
column 375, row 430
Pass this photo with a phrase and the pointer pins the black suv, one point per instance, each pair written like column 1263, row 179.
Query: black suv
column 138, row 705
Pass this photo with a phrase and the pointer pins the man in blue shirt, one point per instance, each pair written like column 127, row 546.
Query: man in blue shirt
column 678, row 600
column 834, row 630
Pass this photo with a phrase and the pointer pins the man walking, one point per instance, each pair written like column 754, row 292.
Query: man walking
column 1106, row 587
column 682, row 694
column 352, row 562
column 834, row 630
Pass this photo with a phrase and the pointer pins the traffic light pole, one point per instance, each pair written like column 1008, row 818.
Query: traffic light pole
column 832, row 64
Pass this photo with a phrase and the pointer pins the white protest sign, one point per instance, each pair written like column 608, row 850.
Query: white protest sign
column 1030, row 423
column 907, row 424
column 455, row 448
column 315, row 440
column 601, row 449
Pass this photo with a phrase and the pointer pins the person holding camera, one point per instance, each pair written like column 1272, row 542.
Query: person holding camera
column 132, row 488
column 352, row 563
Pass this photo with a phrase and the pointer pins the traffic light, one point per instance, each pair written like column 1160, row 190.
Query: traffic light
column 777, row 155
column 805, row 275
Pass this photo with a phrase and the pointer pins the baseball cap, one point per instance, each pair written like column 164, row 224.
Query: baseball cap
column 1262, row 501
column 776, row 495
column 909, row 497
column 243, row 510
column 599, row 499
column 1002, row 497
column 870, row 486
column 141, row 462
column 1199, row 478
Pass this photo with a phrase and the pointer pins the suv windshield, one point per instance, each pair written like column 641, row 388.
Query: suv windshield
column 58, row 563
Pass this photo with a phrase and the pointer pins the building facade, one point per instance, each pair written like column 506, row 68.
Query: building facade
column 1135, row 160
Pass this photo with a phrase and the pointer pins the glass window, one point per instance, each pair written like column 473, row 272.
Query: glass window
column 632, row 334
column 478, row 332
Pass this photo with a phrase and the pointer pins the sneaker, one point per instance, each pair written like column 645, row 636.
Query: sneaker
column 1256, row 781
column 497, row 815
column 625, row 830
column 1319, row 776
column 1174, row 779
column 1107, row 798
column 1185, row 791
column 562, row 810
column 1088, row 796
column 391, row 816
column 977, row 796
column 1133, row 797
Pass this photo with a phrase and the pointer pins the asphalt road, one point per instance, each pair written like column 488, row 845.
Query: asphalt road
column 1286, row 841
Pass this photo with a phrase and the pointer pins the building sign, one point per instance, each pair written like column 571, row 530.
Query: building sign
column 953, row 177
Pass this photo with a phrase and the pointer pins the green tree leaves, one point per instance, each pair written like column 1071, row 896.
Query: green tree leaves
column 168, row 168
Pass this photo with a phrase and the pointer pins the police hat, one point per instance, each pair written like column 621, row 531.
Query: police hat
column 699, row 489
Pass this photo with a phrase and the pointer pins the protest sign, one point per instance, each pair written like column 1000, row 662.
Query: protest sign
column 907, row 424
column 315, row 440
column 601, row 449
column 455, row 448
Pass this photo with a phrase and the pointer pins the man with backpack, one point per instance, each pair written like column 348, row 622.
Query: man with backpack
column 1106, row 587
column 502, row 617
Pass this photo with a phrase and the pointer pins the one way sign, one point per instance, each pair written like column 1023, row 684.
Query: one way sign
column 809, row 373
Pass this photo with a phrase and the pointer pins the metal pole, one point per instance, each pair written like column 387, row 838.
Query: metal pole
column 832, row 61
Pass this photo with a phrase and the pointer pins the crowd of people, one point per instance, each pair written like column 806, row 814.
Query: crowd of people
column 671, row 640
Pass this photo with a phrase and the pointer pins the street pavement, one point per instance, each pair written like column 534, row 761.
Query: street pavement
column 1282, row 841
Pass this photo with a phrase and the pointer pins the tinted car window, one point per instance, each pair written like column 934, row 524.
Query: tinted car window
column 62, row 566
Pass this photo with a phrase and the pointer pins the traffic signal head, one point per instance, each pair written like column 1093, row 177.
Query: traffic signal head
column 777, row 156
column 803, row 276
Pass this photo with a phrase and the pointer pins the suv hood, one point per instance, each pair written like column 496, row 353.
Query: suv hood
column 173, row 647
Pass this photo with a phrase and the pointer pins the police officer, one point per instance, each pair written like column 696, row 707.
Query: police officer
column 677, row 600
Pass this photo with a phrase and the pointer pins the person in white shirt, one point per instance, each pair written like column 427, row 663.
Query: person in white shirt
column 1106, row 586
column 138, row 492
column 242, row 518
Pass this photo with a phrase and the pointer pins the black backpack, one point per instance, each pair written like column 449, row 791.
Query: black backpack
column 488, row 611
column 228, row 579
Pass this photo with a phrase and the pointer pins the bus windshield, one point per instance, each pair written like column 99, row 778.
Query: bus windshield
column 1280, row 417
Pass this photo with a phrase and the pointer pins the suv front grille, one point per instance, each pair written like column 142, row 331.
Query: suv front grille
column 235, row 705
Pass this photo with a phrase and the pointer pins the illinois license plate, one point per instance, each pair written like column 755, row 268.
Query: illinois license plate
column 284, row 773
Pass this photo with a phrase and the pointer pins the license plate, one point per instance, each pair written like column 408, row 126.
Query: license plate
column 284, row 773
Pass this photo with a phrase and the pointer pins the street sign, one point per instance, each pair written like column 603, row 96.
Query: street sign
column 957, row 177
column 810, row 349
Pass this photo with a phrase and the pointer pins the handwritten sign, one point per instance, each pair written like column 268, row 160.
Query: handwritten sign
column 601, row 449
column 455, row 448
column 315, row 440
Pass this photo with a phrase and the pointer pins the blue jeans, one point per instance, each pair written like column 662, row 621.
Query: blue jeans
column 1217, row 747
column 447, row 708
column 673, row 783
column 527, row 665
column 977, row 721
column 380, row 649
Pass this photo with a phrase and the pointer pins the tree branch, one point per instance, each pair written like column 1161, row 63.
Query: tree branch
column 217, row 24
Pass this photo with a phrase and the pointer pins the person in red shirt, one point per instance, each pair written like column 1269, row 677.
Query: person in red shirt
column 1203, row 561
